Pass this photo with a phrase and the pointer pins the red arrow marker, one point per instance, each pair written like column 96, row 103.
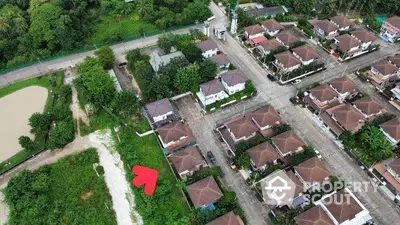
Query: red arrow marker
column 145, row 176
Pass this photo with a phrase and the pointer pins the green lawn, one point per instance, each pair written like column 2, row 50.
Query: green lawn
column 67, row 192
column 129, row 27
column 168, row 202
column 40, row 81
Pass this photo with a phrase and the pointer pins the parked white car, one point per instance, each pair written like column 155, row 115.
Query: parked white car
column 319, row 156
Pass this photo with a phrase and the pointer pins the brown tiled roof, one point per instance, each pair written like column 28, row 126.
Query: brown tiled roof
column 187, row 159
column 242, row 127
column 287, row 59
column 363, row 35
column 173, row 131
column 270, row 45
column 204, row 192
column 368, row 105
column 325, row 25
column 233, row 77
column 314, row 216
column 286, row 37
column 255, row 29
column 346, row 42
column 323, row 92
column 220, row 59
column 343, row 84
column 159, row 107
column 395, row 165
column 228, row 219
column 206, row 45
column 392, row 127
column 211, row 87
column 306, row 52
column 299, row 186
column 272, row 25
column 395, row 60
column 287, row 142
column 347, row 116
column 394, row 21
column 262, row 154
column 266, row 115
column 385, row 67
column 343, row 210
column 342, row 21
column 327, row 119
column 312, row 170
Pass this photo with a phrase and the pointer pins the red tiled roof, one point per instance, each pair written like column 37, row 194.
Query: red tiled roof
column 312, row 170
column 363, row 35
column 394, row 21
column 343, row 85
column 314, row 216
column 287, row 59
column 265, row 116
column 173, row 132
column 187, row 160
column 255, row 29
column 206, row 45
column 347, row 116
column 299, row 186
column 287, row 142
column 242, row 127
column 286, row 37
column 212, row 87
column 228, row 219
column 233, row 77
column 257, row 40
column 395, row 165
column 305, row 52
column 324, row 92
column 204, row 192
column 346, row 42
column 159, row 107
column 395, row 60
column 368, row 105
column 385, row 67
column 270, row 45
column 325, row 25
column 262, row 154
column 342, row 21
column 343, row 210
column 392, row 127
column 272, row 25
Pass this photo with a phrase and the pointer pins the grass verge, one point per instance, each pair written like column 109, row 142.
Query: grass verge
column 67, row 192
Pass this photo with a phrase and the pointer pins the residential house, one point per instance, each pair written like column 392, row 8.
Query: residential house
column 288, row 143
column 271, row 27
column 325, row 28
column 208, row 48
column 365, row 37
column 174, row 136
column 312, row 173
column 286, row 38
column 322, row 97
column 396, row 92
column 265, row 118
column 306, row 54
column 261, row 155
column 157, row 60
column 286, row 62
column 211, row 92
column 390, row 29
column 345, row 87
column 242, row 129
column 343, row 117
column 344, row 208
column 383, row 74
column 204, row 193
column 253, row 31
column 267, row 46
column 160, row 110
column 347, row 45
column 228, row 219
column 261, row 11
column 257, row 40
column 298, row 199
column 369, row 107
column 187, row 161
column 391, row 130
column 395, row 60
column 342, row 22
column 314, row 216
column 233, row 81
column 222, row 61
column 388, row 172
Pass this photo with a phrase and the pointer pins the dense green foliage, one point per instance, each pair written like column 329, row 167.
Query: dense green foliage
column 32, row 29
column 297, row 158
column 67, row 192
column 106, row 57
column 280, row 128
column 369, row 144
column 125, row 104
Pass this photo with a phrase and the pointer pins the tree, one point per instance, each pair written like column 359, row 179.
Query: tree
column 304, row 6
column 143, row 72
column 280, row 128
column 88, row 64
column 207, row 70
column 40, row 124
column 192, row 52
column 243, row 161
column 196, row 11
column 126, row 104
column 27, row 144
column 144, row 7
column 166, row 42
column 62, row 134
column 106, row 57
column 188, row 79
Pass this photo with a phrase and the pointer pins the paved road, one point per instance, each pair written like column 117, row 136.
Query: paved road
column 383, row 210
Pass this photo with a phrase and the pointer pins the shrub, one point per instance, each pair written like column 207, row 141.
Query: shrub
column 308, row 153
column 280, row 128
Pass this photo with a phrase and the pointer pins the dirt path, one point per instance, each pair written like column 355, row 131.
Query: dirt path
column 77, row 111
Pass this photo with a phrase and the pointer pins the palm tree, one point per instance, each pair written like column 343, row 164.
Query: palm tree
column 144, row 6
